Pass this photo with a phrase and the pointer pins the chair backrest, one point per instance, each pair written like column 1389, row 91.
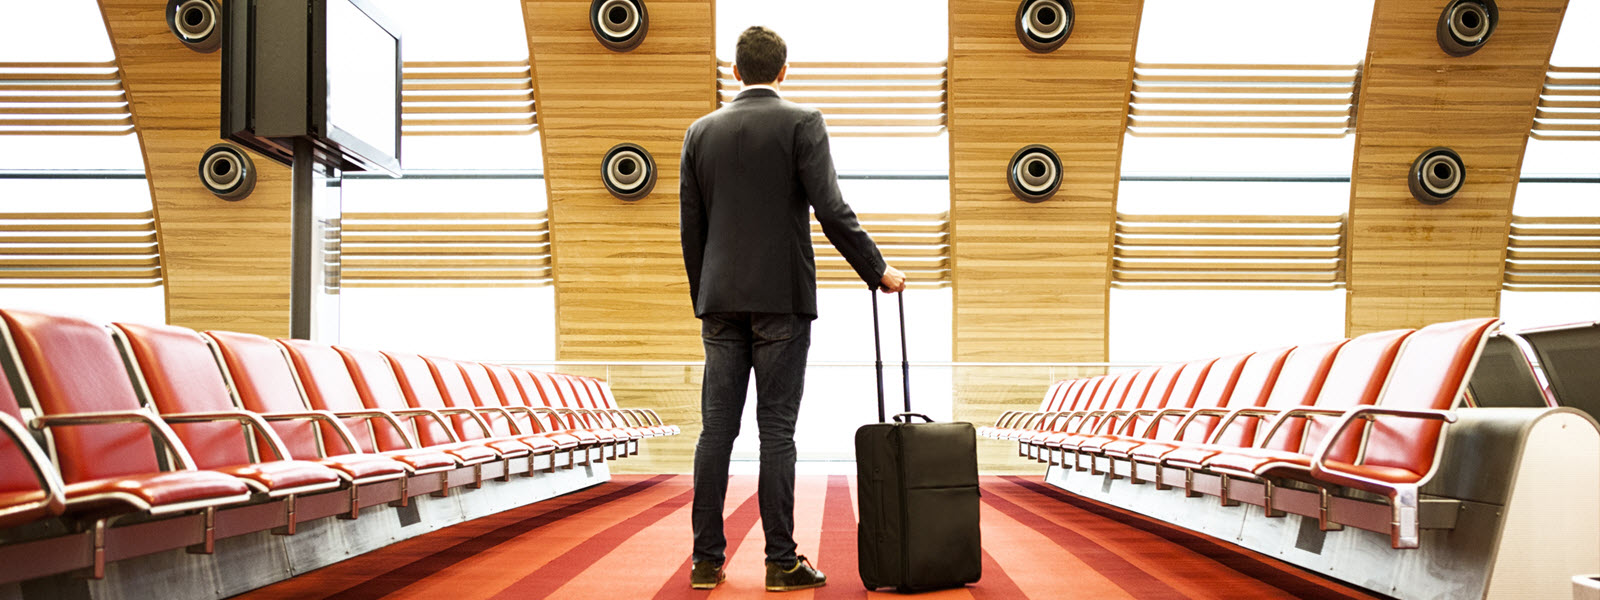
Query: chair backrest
column 505, row 385
column 1430, row 373
column 1185, row 389
column 420, row 391
column 179, row 374
column 263, row 382
column 534, row 395
column 481, row 385
column 1569, row 355
column 1214, row 392
column 1504, row 378
column 327, row 385
column 1052, row 396
column 1298, row 384
column 1253, row 387
column 1357, row 374
column 71, row 366
column 17, row 478
column 377, row 388
column 601, row 392
column 580, row 388
column 1137, row 384
column 1067, row 395
column 565, row 394
column 456, row 394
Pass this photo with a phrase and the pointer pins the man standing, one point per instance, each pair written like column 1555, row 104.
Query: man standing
column 750, row 170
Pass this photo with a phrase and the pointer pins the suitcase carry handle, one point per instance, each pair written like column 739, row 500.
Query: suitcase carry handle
column 905, row 363
column 906, row 417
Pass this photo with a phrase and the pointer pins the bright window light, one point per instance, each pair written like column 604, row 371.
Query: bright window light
column 1536, row 309
column 54, row 31
column 1254, row 32
column 1578, row 42
column 462, row 30
column 815, row 32
column 1232, row 198
column 1161, row 326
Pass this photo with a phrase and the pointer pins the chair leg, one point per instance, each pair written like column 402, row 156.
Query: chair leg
column 99, row 540
column 1325, row 520
column 288, row 517
column 1404, row 530
column 1226, row 489
column 1267, row 489
column 208, row 533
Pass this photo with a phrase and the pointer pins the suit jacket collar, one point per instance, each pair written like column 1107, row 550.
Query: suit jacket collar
column 758, row 92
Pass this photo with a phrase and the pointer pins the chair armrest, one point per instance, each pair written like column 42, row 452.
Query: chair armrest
column 501, row 410
column 158, row 429
column 49, row 481
column 1233, row 415
column 1295, row 413
column 1193, row 413
column 472, row 413
column 393, row 417
column 245, row 419
column 325, row 418
column 1319, row 462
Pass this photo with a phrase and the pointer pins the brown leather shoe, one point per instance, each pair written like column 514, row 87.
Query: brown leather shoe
column 706, row 575
column 798, row 576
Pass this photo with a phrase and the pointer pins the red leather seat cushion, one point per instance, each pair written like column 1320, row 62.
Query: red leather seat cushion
column 539, row 443
column 1153, row 451
column 1193, row 456
column 562, row 439
column 1259, row 461
column 282, row 474
column 155, row 489
column 468, row 452
column 362, row 466
column 506, row 447
column 1121, row 447
column 431, row 458
column 1395, row 475
column 10, row 500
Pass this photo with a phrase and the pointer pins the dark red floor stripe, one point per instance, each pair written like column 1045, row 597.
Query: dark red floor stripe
column 556, row 573
column 1113, row 566
column 422, row 568
column 736, row 527
column 996, row 584
column 836, row 555
column 1237, row 560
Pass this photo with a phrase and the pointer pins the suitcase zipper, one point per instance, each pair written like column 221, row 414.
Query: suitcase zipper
column 905, row 512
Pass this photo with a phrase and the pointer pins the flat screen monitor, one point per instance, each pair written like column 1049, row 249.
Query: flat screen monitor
column 324, row 71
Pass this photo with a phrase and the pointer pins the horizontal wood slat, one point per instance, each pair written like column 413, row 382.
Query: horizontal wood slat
column 1209, row 100
column 373, row 249
column 467, row 98
column 79, row 250
column 918, row 244
column 46, row 98
column 1569, row 105
column 1228, row 252
column 1553, row 254
column 863, row 99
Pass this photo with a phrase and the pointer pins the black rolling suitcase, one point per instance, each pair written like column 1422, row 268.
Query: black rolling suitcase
column 918, row 494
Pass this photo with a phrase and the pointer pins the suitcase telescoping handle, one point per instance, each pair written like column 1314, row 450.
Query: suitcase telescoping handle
column 905, row 363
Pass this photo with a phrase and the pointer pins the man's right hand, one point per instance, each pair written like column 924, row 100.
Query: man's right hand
column 893, row 280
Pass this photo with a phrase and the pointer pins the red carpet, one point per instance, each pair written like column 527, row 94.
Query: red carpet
column 630, row 538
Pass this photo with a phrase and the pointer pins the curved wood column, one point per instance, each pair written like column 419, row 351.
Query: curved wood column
column 226, row 264
column 1412, row 264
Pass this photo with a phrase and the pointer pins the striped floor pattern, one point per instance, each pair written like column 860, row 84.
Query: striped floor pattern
column 629, row 539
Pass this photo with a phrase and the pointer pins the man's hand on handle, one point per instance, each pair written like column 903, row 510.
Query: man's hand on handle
column 893, row 280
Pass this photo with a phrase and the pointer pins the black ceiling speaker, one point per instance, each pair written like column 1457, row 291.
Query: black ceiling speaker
column 1437, row 175
column 227, row 171
column 197, row 23
column 1043, row 25
column 1465, row 25
column 619, row 24
column 629, row 171
column 1034, row 173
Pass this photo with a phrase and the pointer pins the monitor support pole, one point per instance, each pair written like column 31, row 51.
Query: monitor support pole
column 302, row 228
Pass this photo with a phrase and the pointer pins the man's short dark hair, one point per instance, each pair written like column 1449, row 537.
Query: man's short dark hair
column 760, row 55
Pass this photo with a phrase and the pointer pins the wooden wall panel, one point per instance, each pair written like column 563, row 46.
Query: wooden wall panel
column 1413, row 264
column 226, row 263
column 1035, row 270
column 1031, row 280
column 621, row 291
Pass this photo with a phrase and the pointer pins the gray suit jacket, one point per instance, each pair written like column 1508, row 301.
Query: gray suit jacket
column 749, row 172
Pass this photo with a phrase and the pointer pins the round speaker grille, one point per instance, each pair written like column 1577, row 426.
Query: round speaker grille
column 1465, row 26
column 1043, row 25
column 1437, row 175
column 619, row 24
column 226, row 171
column 629, row 172
column 1034, row 174
column 196, row 23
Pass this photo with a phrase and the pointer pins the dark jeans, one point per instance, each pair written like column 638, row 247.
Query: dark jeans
column 775, row 345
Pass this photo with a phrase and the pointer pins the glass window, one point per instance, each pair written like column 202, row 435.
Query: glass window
column 65, row 175
column 1159, row 326
column 1578, row 41
column 504, row 321
column 1254, row 32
